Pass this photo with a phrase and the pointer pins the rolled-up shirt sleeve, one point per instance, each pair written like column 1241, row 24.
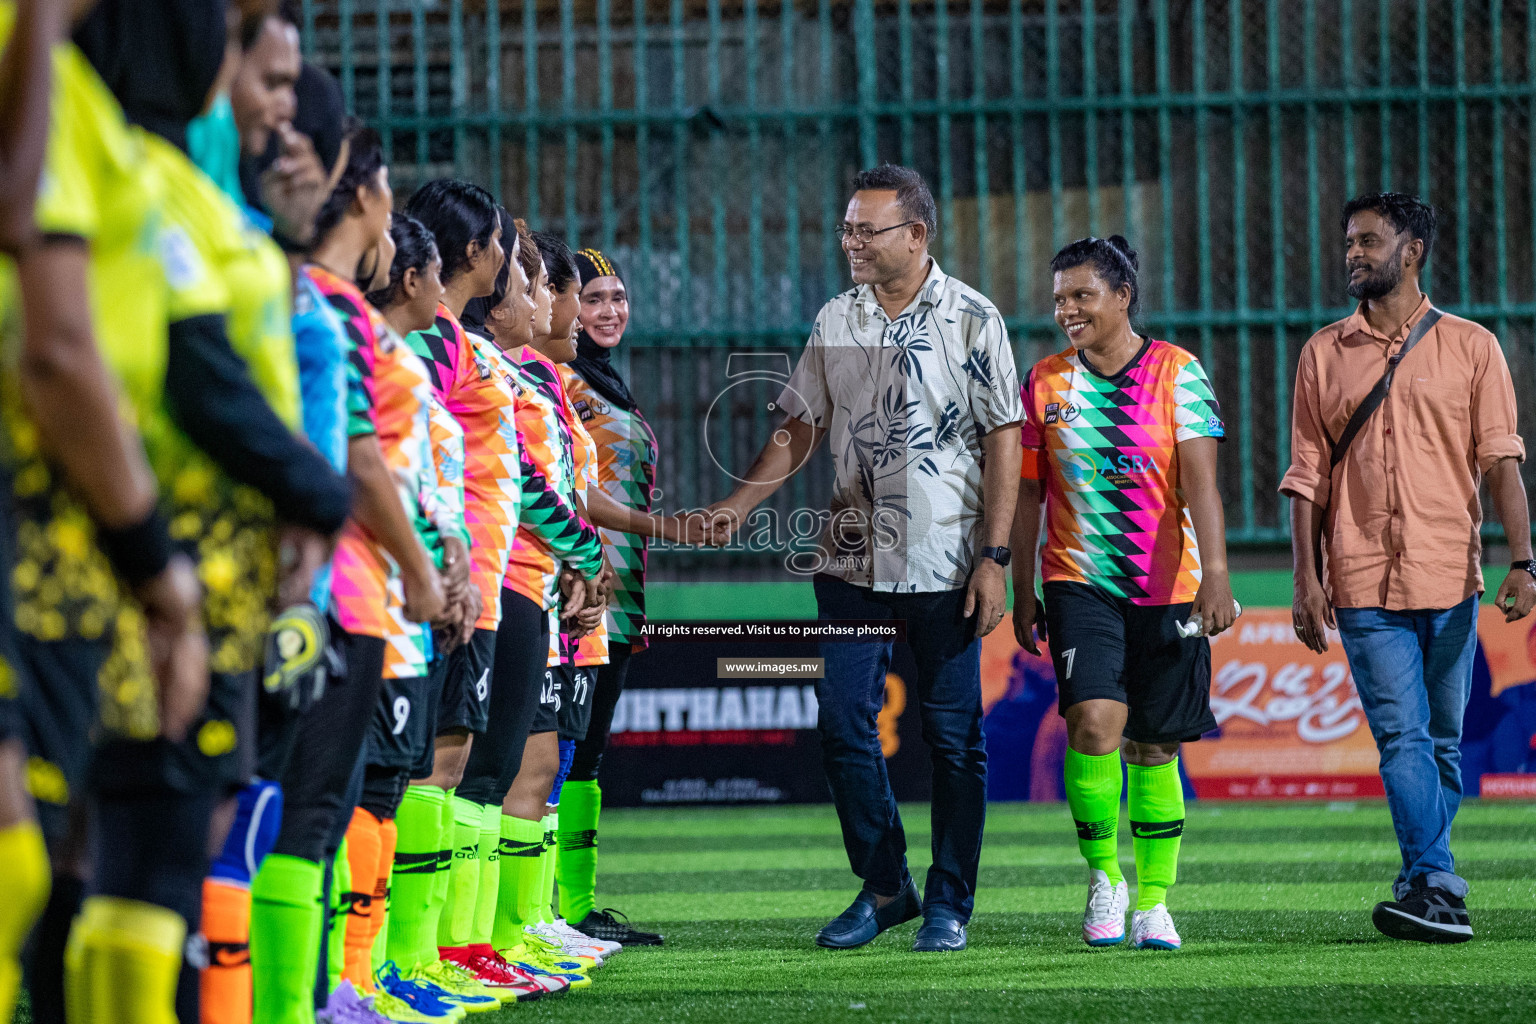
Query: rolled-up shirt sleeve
column 805, row 395
column 992, row 376
column 1494, row 417
column 1311, row 472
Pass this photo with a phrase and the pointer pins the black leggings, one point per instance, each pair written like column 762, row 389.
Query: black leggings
column 383, row 789
column 153, row 847
column 522, row 647
column 327, row 742
column 605, row 697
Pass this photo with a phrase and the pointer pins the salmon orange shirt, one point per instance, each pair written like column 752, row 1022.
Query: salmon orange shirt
column 1402, row 520
column 389, row 396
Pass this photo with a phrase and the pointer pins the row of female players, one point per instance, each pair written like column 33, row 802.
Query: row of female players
column 436, row 686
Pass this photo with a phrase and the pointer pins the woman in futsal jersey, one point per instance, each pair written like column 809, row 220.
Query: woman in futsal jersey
column 471, row 233
column 582, row 659
column 626, row 453
column 552, row 534
column 1120, row 438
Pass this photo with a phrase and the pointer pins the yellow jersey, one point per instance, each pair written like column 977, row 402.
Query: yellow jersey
column 217, row 263
column 94, row 187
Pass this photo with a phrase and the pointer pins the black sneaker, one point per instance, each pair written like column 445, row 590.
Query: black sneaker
column 612, row 926
column 1424, row 915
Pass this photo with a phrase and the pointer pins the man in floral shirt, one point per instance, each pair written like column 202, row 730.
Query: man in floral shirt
column 912, row 376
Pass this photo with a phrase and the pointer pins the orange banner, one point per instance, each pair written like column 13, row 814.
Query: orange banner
column 1290, row 720
column 1290, row 724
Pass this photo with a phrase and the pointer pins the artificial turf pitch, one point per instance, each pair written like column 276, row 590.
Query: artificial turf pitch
column 1273, row 903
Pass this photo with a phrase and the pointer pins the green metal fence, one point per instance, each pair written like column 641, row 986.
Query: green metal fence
column 707, row 145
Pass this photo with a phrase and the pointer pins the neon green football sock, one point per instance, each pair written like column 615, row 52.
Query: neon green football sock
column 484, row 910
column 437, row 898
column 286, row 918
column 25, row 856
column 419, row 823
column 547, row 864
column 1093, row 794
column 522, row 846
column 1157, row 826
column 336, row 922
column 581, row 804
column 456, row 923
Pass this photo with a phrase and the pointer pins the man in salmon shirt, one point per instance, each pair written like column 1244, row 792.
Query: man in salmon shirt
column 1401, row 411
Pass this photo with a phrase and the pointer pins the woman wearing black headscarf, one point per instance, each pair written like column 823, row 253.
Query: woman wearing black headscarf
column 626, row 454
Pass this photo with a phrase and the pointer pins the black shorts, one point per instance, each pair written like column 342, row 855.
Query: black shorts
column 277, row 721
column 12, row 672
column 426, row 758
column 218, row 755
column 222, row 743
column 400, row 733
column 466, row 692
column 575, row 712
column 546, row 717
column 58, row 712
column 1106, row 648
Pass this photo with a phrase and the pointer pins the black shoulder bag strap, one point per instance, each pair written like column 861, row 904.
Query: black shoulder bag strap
column 1378, row 394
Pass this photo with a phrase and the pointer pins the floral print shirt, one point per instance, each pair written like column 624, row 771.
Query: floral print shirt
column 906, row 403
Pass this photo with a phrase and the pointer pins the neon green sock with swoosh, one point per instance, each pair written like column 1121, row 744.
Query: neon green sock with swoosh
column 1157, row 827
column 1093, row 795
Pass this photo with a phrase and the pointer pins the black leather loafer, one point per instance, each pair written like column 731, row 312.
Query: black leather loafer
column 861, row 922
column 941, row 932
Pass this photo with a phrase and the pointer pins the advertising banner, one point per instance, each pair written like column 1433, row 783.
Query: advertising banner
column 711, row 720
column 732, row 719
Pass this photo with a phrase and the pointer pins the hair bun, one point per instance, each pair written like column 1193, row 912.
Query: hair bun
column 1120, row 243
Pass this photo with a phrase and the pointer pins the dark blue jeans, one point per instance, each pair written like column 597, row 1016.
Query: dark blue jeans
column 1413, row 671
column 948, row 695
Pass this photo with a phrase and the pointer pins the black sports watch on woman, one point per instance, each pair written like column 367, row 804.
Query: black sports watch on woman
column 1002, row 556
column 1529, row 565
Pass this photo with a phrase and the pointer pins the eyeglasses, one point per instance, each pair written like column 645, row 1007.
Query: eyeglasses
column 864, row 235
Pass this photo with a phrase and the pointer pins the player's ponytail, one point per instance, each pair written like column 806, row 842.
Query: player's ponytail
column 1112, row 259
column 415, row 250
column 362, row 154
column 478, row 309
column 1124, row 248
column 462, row 217
column 528, row 253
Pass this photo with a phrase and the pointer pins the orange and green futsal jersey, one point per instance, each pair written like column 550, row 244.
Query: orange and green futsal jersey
column 1107, row 451
column 404, row 420
column 448, row 459
column 626, row 471
column 389, row 395
column 471, row 385
column 551, row 534
column 591, row 649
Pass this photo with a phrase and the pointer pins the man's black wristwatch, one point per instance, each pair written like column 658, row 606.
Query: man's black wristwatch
column 1002, row 556
column 1529, row 565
